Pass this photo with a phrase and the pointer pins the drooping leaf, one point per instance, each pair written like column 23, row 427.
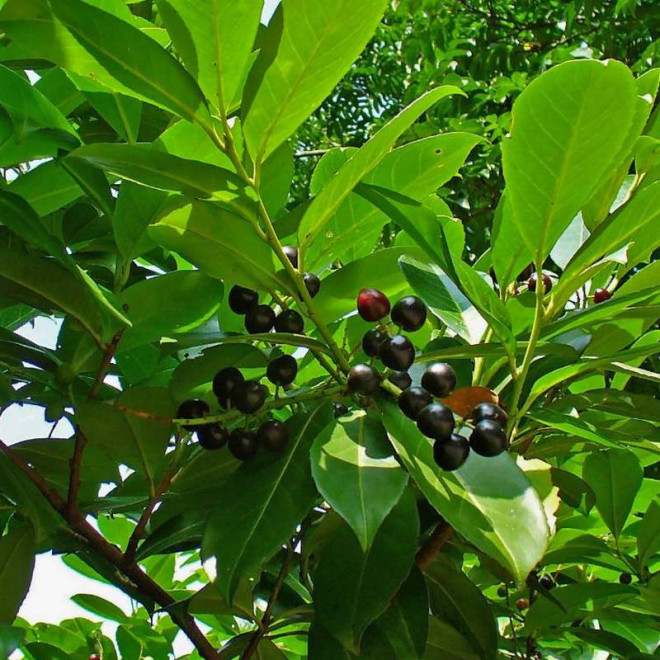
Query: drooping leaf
column 357, row 474
column 16, row 565
column 648, row 534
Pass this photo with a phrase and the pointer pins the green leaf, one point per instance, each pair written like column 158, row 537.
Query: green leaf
column 318, row 44
column 326, row 203
column 168, row 305
column 648, row 534
column 16, row 566
column 455, row 599
column 147, row 166
column 263, row 502
column 99, row 606
column 10, row 638
column 568, row 126
column 351, row 593
column 489, row 501
column 446, row 642
column 219, row 243
column 615, row 476
column 136, row 61
column 601, row 639
column 357, row 474
column 215, row 41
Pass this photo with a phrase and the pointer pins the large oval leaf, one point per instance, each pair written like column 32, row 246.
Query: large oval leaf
column 16, row 566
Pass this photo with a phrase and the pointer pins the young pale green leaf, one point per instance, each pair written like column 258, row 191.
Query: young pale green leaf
column 17, row 551
column 615, row 476
column 485, row 490
column 324, row 206
column 219, row 243
column 357, row 474
column 215, row 41
column 133, row 59
column 262, row 504
column 317, row 45
column 351, row 593
column 648, row 534
column 568, row 127
column 457, row 601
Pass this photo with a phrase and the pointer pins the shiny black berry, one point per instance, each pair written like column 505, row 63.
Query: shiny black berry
column 363, row 379
column 282, row 370
column 372, row 304
column 547, row 282
column 259, row 319
column 625, row 578
column 436, row 421
column 192, row 409
column 273, row 435
column 289, row 321
column 372, row 341
column 225, row 381
column 413, row 400
column 401, row 379
column 488, row 438
column 313, row 283
column 340, row 409
column 242, row 299
column 439, row 379
column 397, row 353
column 488, row 411
column 212, row 436
column 409, row 313
column 451, row 453
column 249, row 396
column 547, row 582
column 601, row 295
column 243, row 444
column 291, row 254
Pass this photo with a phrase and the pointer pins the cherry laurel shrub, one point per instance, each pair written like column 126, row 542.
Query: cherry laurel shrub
column 288, row 437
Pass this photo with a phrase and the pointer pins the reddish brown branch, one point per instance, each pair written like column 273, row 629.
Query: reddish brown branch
column 102, row 371
column 113, row 554
column 429, row 551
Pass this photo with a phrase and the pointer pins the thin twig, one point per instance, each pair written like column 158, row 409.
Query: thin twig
column 429, row 551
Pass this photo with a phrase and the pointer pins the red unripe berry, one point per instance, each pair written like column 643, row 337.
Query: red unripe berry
column 547, row 282
column 601, row 295
column 522, row 604
column 94, row 656
column 372, row 304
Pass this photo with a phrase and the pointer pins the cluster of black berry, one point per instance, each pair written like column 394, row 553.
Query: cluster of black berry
column 247, row 396
column 261, row 318
column 395, row 351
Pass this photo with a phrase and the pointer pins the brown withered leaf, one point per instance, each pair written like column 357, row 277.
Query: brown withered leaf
column 464, row 399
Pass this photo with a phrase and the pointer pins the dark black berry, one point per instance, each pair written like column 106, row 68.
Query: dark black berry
column 547, row 582
column 397, row 353
column 192, row 409
column 439, row 379
column 601, row 295
column 401, row 379
column 547, row 282
column 282, row 370
column 273, row 435
column 502, row 591
column 291, row 254
column 339, row 409
column 488, row 411
column 372, row 304
column 249, row 396
column 313, row 283
column 625, row 578
column 363, row 379
column 289, row 321
column 242, row 299
column 409, row 313
column 436, row 421
column 243, row 444
column 413, row 400
column 372, row 341
column 225, row 381
column 259, row 319
column 212, row 436
column 451, row 453
column 488, row 438
column 526, row 273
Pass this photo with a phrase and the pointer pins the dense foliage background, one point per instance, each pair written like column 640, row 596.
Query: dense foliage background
column 156, row 154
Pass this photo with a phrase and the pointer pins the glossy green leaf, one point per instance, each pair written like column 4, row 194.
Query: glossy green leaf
column 606, row 641
column 357, row 474
column 16, row 566
column 351, row 593
column 100, row 607
column 323, row 207
column 568, row 127
column 648, row 534
column 317, row 45
column 455, row 599
column 10, row 638
column 446, row 642
column 215, row 41
column 263, row 502
column 489, row 501
column 615, row 476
